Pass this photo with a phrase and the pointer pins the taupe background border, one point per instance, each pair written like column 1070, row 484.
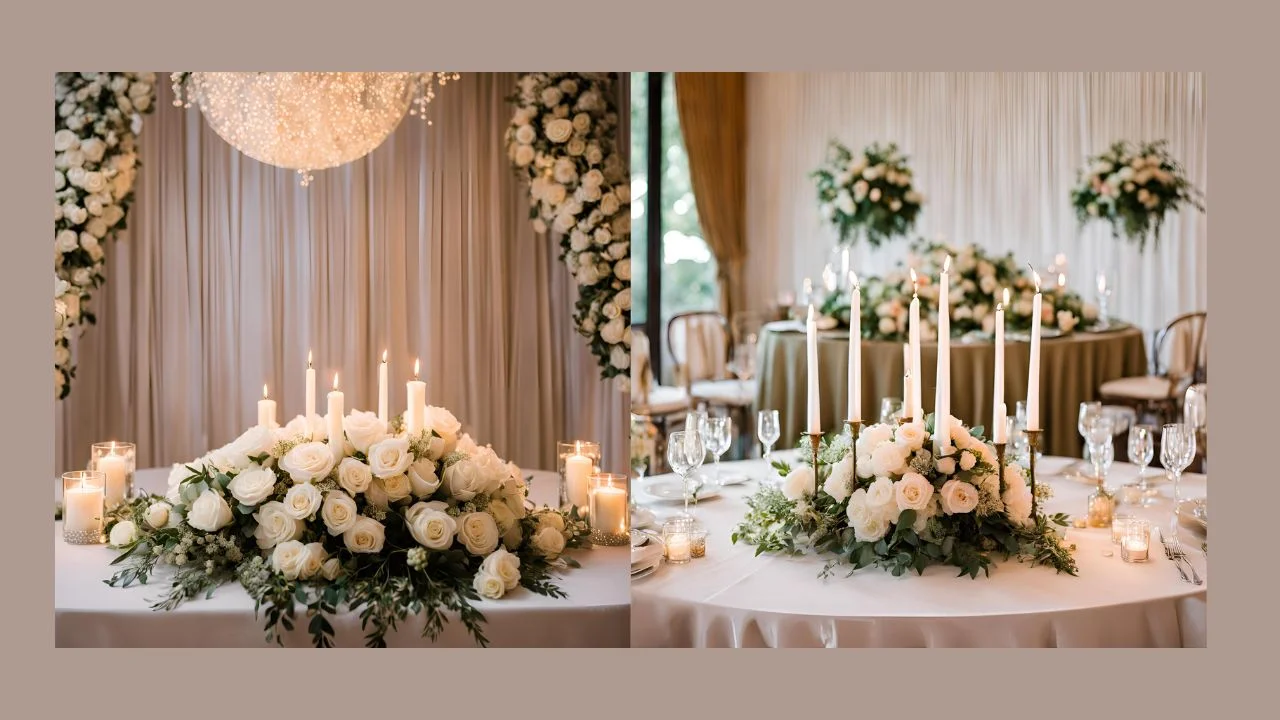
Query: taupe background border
column 1228, row 41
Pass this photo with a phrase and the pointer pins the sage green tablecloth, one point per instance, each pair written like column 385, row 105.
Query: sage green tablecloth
column 1071, row 370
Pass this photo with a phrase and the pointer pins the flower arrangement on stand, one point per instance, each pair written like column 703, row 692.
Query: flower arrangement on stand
column 563, row 140
column 383, row 523
column 1132, row 188
column 97, row 116
column 869, row 195
column 906, row 508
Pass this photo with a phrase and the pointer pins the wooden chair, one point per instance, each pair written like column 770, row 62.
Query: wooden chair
column 657, row 402
column 701, row 344
column 1177, row 362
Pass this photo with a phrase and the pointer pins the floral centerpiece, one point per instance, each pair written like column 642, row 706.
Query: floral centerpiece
column 388, row 525
column 563, row 140
column 96, row 119
column 978, row 280
column 870, row 194
column 1132, row 187
column 906, row 508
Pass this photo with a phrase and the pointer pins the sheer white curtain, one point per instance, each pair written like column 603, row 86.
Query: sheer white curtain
column 231, row 272
column 996, row 155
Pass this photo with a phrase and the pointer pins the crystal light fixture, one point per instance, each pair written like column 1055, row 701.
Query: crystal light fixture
column 307, row 121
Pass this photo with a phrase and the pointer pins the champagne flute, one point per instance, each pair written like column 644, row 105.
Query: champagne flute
column 1088, row 411
column 716, row 435
column 1099, row 435
column 768, row 429
column 1105, row 286
column 890, row 410
column 685, row 454
column 1177, row 448
column 1142, row 448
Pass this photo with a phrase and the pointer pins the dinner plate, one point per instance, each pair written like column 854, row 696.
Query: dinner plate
column 673, row 491
column 733, row 478
column 642, row 518
column 1194, row 513
column 646, row 572
column 1114, row 326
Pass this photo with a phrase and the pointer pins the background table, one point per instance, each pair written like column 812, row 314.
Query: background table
column 731, row 598
column 88, row 613
column 1072, row 368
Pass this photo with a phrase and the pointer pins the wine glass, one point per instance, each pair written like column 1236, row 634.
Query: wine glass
column 1018, row 444
column 1099, row 435
column 1195, row 412
column 1142, row 448
column 716, row 435
column 1088, row 411
column 685, row 454
column 1177, row 448
column 768, row 430
column 890, row 410
column 1104, row 297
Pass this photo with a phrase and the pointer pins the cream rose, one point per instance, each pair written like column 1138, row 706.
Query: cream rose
column 582, row 122
column 524, row 155
column 946, row 465
column 287, row 559
column 464, row 479
column 503, row 565
column 253, row 485
column 308, row 461
column 390, row 457
column 958, row 497
column 331, row 569
column 840, row 482
column 431, row 526
column 397, row 487
column 525, row 134
column 912, row 492
column 478, row 531
column 559, row 130
column 366, row 536
column 502, row 515
column 874, row 436
column 423, row 481
column 65, row 140
column 354, row 476
column 123, row 533
column 880, row 493
column 210, row 512
column 157, row 515
column 363, row 429
column 549, row 519
column 799, row 484
column 967, row 460
column 911, row 435
column 443, row 423
column 312, row 561
column 276, row 525
column 302, row 501
column 488, row 585
column 888, row 459
column 872, row 528
column 338, row 512
column 549, row 542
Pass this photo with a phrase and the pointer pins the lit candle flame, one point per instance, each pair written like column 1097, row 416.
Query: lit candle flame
column 384, row 356
column 1035, row 276
column 946, row 265
column 1062, row 280
column 415, row 367
column 308, row 358
column 264, row 391
column 853, row 278
column 915, row 283
column 1006, row 296
column 335, row 382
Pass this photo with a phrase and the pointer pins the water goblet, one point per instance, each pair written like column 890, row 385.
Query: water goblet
column 1088, row 411
column 1105, row 286
column 1142, row 448
column 717, row 436
column 890, row 410
column 685, row 454
column 768, row 430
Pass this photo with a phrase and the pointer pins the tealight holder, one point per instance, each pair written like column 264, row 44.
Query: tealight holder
column 607, row 510
column 1119, row 523
column 1101, row 508
column 677, row 539
column 577, row 461
column 698, row 542
column 1135, row 547
column 1131, row 494
column 83, row 507
column 117, row 462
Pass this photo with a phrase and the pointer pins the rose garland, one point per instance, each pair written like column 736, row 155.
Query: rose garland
column 563, row 139
column 394, row 525
column 871, row 194
column 1132, row 188
column 97, row 116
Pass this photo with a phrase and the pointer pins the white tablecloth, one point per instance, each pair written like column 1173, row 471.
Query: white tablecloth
column 88, row 613
column 731, row 598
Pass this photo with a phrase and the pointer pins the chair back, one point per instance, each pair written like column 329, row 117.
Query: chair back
column 1180, row 351
column 641, row 368
column 747, row 323
column 699, row 344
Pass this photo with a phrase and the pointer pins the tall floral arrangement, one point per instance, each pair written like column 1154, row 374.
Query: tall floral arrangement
column 384, row 523
column 871, row 193
column 97, row 116
column 1132, row 187
column 563, row 140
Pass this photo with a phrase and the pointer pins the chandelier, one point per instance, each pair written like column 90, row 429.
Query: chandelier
column 307, row 121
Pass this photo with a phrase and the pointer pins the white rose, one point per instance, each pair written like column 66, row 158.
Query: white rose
column 945, row 465
column 431, row 526
column 94, row 182
column 872, row 437
column 888, row 459
column 314, row 556
column 967, row 460
column 331, row 569
column 157, row 515
column 911, row 435
column 276, row 525
column 254, row 442
column 502, row 515
column 1066, row 321
column 524, row 155
column 365, row 536
column 488, row 585
column 67, row 240
column 123, row 533
column 576, row 147
column 59, row 180
column 397, row 487
column 422, row 478
column 93, row 149
column 623, row 269
column 549, row 542
column 551, row 97
column 857, row 511
column 958, row 497
column 582, row 122
column 840, row 482
column 559, row 130
column 253, row 485
column 555, row 193
column 390, row 457
column 612, row 331
column 363, row 429
column 96, row 227
column 525, row 134
column 287, row 559
column 872, row 528
column 620, row 357
column 94, row 204
column 64, row 140
column 478, row 531
column 503, row 565
column 549, row 519
column 1016, row 498
column 912, row 492
column 881, row 499
column 463, row 480
column 339, row 512
column 443, row 423
column 799, row 484
column 302, row 501
column 308, row 461
column 210, row 512
column 354, row 476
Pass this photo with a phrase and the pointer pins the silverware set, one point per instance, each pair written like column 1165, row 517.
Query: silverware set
column 1174, row 552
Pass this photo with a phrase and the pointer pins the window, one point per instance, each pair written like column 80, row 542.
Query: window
column 665, row 231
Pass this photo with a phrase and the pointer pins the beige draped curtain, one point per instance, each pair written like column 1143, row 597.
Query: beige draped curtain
column 712, row 108
column 230, row 272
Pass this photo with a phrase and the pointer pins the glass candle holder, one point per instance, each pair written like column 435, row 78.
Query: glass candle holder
column 607, row 509
column 1131, row 494
column 677, row 539
column 698, row 542
column 116, row 462
column 1136, row 544
column 1118, row 525
column 83, row 507
column 577, row 462
column 1102, row 506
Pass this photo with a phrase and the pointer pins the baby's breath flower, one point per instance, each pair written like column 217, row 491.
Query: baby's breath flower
column 417, row 558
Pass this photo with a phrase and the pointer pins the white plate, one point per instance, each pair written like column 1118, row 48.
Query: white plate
column 1194, row 513
column 645, row 572
column 673, row 491
column 642, row 518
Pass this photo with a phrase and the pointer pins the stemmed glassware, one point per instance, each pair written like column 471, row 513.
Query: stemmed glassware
column 1018, row 444
column 717, row 436
column 890, row 410
column 1099, row 435
column 768, row 430
column 743, row 364
column 1142, row 448
column 685, row 454
column 1088, row 411
column 1104, row 298
column 1195, row 412
column 1177, row 448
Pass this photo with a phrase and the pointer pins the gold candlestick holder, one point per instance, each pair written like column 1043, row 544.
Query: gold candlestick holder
column 855, row 429
column 1033, row 445
column 1000, row 459
column 815, row 439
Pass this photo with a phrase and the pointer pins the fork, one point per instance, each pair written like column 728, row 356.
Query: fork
column 1168, row 553
column 1182, row 555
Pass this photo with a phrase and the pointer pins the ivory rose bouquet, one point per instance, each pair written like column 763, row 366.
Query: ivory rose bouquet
column 907, row 507
column 1132, row 187
column 390, row 525
column 869, row 194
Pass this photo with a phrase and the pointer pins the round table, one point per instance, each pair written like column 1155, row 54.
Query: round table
column 1072, row 368
column 88, row 613
column 733, row 598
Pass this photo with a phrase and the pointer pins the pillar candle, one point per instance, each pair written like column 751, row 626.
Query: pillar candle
column 311, row 392
column 942, row 398
column 82, row 509
column 382, row 388
column 815, row 411
column 115, row 471
column 266, row 410
column 416, row 409
column 337, row 441
column 916, row 404
column 1033, row 373
column 855, row 349
column 998, row 412
column 609, row 513
column 577, row 476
